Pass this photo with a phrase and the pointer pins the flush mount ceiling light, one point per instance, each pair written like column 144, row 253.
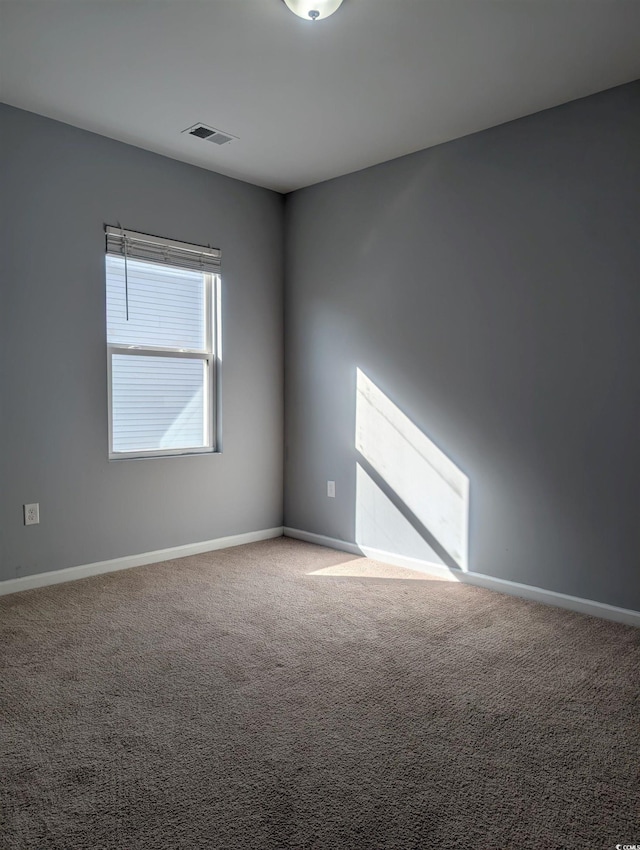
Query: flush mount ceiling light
column 313, row 10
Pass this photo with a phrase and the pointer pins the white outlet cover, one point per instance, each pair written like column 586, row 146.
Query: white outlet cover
column 331, row 489
column 32, row 514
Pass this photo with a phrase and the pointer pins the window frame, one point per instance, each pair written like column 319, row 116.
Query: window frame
column 210, row 356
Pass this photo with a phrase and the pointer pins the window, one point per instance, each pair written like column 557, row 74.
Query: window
column 163, row 341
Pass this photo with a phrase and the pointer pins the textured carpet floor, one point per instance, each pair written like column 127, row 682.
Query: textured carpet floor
column 231, row 700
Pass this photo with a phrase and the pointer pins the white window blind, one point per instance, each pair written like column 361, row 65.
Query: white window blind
column 154, row 249
column 161, row 335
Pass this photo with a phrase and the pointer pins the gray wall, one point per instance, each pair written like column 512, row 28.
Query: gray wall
column 490, row 288
column 60, row 186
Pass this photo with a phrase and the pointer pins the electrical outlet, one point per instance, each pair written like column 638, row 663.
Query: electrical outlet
column 32, row 514
column 331, row 489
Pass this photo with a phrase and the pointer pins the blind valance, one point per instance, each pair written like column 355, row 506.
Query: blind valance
column 154, row 249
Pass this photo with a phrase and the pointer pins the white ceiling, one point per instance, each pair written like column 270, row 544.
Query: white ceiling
column 308, row 101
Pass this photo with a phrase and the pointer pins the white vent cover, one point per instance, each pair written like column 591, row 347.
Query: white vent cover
column 209, row 134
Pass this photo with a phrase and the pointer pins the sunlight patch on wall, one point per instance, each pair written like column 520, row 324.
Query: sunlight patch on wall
column 380, row 525
column 431, row 494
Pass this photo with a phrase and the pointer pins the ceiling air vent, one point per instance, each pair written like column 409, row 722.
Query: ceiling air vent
column 209, row 134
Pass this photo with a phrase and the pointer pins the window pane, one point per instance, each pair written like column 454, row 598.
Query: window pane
column 158, row 403
column 166, row 305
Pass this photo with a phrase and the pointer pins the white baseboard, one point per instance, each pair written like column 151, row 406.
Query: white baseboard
column 526, row 591
column 321, row 540
column 513, row 588
column 85, row 570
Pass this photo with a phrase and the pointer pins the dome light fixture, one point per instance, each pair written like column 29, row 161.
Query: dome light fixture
column 313, row 10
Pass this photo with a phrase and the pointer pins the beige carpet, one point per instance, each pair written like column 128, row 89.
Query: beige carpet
column 231, row 700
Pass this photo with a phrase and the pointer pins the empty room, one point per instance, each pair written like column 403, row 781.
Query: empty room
column 319, row 415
